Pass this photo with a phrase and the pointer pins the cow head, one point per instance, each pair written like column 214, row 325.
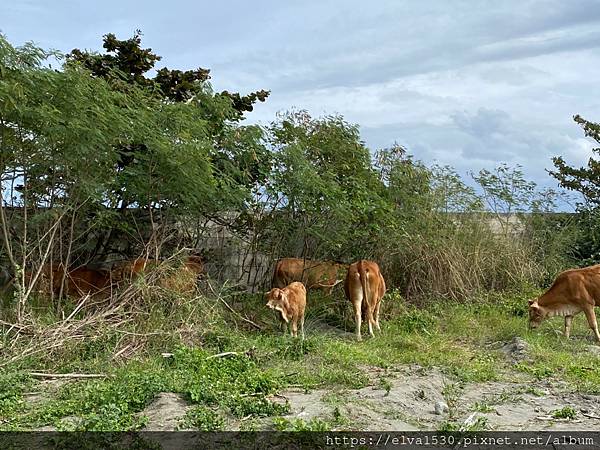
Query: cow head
column 536, row 314
column 277, row 300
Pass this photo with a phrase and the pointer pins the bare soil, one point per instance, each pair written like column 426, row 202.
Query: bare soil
column 403, row 399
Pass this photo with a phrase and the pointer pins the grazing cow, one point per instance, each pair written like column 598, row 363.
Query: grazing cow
column 130, row 270
column 572, row 292
column 184, row 279
column 314, row 274
column 289, row 303
column 365, row 282
column 195, row 264
column 84, row 280
column 77, row 282
column 48, row 281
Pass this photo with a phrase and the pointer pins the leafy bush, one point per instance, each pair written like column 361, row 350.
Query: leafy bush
column 416, row 320
column 234, row 382
column 203, row 419
column 564, row 413
column 12, row 385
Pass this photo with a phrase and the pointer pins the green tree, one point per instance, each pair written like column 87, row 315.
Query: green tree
column 237, row 157
column 324, row 193
column 585, row 180
column 451, row 193
column 58, row 135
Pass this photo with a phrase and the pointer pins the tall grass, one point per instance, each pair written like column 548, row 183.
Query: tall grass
column 456, row 258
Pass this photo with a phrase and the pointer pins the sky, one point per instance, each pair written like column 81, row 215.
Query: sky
column 470, row 84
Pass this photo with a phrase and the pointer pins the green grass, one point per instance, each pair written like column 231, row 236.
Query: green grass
column 203, row 418
column 564, row 413
column 461, row 339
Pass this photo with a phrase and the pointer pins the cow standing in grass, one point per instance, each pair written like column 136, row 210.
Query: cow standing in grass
column 572, row 292
column 365, row 284
column 324, row 275
column 289, row 303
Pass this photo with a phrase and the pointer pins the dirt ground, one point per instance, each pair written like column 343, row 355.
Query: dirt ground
column 404, row 399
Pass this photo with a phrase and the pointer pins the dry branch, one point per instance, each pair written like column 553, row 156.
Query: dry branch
column 245, row 319
column 67, row 375
column 220, row 355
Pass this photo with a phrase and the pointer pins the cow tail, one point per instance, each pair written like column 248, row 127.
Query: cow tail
column 364, row 274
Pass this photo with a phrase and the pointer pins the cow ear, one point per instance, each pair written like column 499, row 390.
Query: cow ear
column 279, row 294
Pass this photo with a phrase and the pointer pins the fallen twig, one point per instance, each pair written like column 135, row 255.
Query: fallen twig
column 67, row 375
column 12, row 325
column 220, row 355
column 120, row 352
column 245, row 319
column 304, row 386
column 152, row 333
column 18, row 328
column 591, row 416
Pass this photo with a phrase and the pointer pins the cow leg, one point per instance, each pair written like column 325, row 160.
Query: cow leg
column 282, row 324
column 294, row 327
column 377, row 315
column 568, row 324
column 358, row 317
column 370, row 319
column 302, row 326
column 591, row 317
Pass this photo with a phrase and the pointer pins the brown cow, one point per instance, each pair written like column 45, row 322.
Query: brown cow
column 290, row 303
column 365, row 282
column 314, row 274
column 572, row 292
column 181, row 279
column 184, row 279
column 84, row 280
column 195, row 264
column 130, row 270
column 77, row 282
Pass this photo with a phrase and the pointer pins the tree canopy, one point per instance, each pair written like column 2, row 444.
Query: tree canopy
column 585, row 180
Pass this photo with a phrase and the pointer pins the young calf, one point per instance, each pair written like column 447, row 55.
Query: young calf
column 290, row 303
column 572, row 292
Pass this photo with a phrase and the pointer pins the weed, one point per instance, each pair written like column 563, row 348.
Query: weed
column 12, row 386
column 456, row 337
column 449, row 425
column 416, row 320
column 314, row 424
column 564, row 413
column 483, row 407
column 385, row 384
column 203, row 419
column 451, row 393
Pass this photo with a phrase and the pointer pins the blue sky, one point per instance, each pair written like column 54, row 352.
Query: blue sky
column 465, row 83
